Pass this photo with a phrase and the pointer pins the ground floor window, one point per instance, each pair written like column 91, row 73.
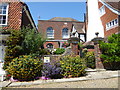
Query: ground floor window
column 49, row 45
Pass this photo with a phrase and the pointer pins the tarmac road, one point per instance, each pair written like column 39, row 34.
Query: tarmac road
column 97, row 83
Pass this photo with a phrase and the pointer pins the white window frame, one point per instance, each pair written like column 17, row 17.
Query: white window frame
column 49, row 36
column 65, row 36
column 82, row 37
column 102, row 10
column 108, row 26
column 5, row 14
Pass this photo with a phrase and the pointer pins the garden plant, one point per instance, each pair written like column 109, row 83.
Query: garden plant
column 72, row 66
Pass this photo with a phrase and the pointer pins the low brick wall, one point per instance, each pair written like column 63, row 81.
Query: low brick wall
column 53, row 58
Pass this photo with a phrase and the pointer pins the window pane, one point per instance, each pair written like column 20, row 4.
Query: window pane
column 112, row 22
column 0, row 21
column 0, row 17
column 4, row 17
column 0, row 11
column 0, row 6
column 116, row 21
column 4, row 21
column 4, row 7
column 4, row 12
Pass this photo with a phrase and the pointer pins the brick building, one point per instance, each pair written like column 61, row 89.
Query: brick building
column 102, row 17
column 58, row 30
column 13, row 15
column 109, row 15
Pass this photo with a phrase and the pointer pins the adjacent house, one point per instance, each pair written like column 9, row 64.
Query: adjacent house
column 13, row 15
column 102, row 17
column 58, row 30
column 109, row 15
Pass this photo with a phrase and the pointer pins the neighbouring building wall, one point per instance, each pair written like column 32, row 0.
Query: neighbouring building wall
column 18, row 15
column 14, row 16
column 60, row 31
column 108, row 19
column 57, row 28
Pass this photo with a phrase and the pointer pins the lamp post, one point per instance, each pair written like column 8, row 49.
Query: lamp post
column 99, row 64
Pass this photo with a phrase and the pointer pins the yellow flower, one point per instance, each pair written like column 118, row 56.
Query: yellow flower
column 67, row 67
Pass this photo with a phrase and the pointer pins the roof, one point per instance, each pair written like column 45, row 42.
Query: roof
column 62, row 19
column 114, row 5
column 79, row 27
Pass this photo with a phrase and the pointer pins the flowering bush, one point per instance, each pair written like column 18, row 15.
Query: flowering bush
column 72, row 66
column 25, row 67
column 51, row 71
column 90, row 59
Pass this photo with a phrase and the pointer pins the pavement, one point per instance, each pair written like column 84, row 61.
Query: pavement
column 91, row 75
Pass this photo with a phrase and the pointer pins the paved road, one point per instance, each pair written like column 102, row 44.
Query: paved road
column 99, row 83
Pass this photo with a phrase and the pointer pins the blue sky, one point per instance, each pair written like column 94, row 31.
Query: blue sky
column 48, row 10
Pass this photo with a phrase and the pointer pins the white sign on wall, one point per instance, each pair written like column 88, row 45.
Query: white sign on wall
column 46, row 59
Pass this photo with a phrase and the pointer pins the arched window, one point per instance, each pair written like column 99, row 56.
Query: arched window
column 50, row 32
column 65, row 33
column 49, row 45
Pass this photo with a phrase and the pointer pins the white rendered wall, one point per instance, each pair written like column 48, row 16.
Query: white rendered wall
column 94, row 22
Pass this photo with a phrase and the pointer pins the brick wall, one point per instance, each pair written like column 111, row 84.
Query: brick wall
column 17, row 17
column 57, row 27
column 14, row 16
column 107, row 17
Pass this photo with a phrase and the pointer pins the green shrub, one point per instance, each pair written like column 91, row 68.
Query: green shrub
column 111, row 51
column 72, row 66
column 59, row 51
column 13, row 48
column 25, row 67
column 90, row 60
column 22, row 42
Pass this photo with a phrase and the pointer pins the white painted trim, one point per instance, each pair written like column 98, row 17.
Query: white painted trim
column 101, row 14
column 113, row 10
column 5, row 15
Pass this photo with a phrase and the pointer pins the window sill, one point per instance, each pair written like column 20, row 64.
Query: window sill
column 107, row 29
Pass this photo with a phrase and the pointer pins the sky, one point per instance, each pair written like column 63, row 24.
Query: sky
column 48, row 10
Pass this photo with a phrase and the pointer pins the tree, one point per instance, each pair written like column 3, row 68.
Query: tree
column 32, row 42
column 22, row 42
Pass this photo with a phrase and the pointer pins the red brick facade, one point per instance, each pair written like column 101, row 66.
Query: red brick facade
column 107, row 17
column 57, row 27
column 17, row 16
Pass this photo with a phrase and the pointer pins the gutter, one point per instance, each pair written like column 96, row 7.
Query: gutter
column 110, row 7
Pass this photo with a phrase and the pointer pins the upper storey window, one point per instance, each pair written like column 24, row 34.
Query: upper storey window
column 112, row 24
column 50, row 32
column 102, row 10
column 3, row 13
column 65, row 33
